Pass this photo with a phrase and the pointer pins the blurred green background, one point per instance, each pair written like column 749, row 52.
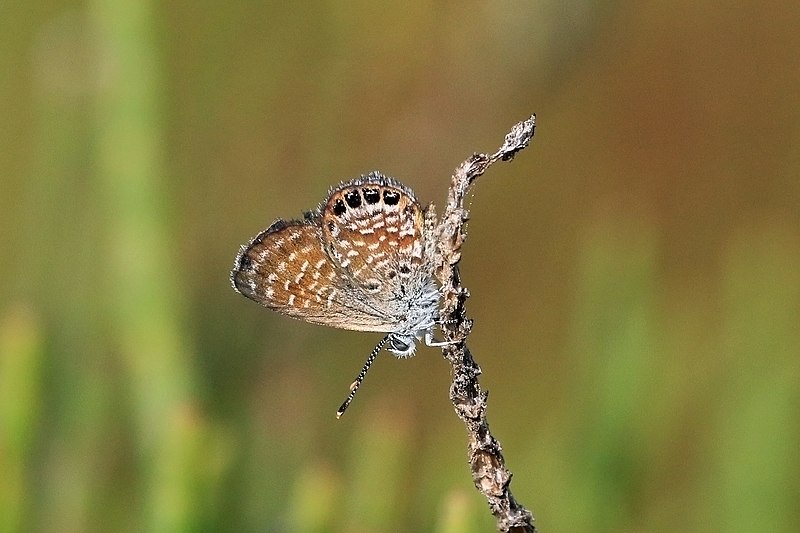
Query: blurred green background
column 635, row 273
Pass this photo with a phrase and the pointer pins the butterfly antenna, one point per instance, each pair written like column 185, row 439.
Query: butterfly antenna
column 361, row 375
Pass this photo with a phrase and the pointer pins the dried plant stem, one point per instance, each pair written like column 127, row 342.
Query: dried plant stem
column 489, row 472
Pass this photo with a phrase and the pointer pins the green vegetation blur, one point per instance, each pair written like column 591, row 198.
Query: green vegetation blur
column 635, row 273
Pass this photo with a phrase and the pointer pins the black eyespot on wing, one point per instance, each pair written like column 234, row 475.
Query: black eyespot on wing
column 339, row 208
column 404, row 269
column 372, row 196
column 353, row 198
column 331, row 226
column 391, row 197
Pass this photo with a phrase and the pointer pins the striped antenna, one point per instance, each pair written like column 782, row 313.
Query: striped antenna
column 361, row 375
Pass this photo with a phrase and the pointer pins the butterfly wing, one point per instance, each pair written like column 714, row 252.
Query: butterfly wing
column 373, row 230
column 379, row 237
column 286, row 268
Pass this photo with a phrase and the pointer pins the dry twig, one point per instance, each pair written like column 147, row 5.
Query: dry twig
column 489, row 472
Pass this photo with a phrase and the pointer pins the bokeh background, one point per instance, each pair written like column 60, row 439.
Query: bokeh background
column 635, row 273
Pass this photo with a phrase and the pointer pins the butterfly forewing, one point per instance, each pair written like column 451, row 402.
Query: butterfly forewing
column 286, row 268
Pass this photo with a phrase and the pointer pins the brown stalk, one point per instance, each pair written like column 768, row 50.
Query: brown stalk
column 489, row 473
